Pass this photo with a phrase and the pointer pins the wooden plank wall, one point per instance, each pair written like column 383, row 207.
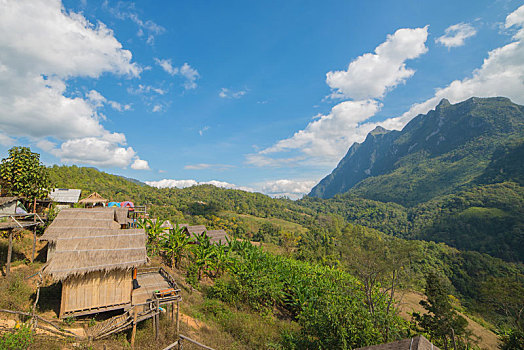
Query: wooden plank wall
column 96, row 289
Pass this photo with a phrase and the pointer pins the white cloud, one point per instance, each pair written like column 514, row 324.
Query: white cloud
column 456, row 34
column 169, row 183
column 42, row 47
column 107, row 151
column 6, row 140
column 97, row 100
column 203, row 166
column 167, row 66
column 140, row 164
column 146, row 29
column 191, row 76
column 501, row 74
column 158, row 108
column 146, row 89
column 328, row 137
column 226, row 93
column 373, row 74
column 204, row 129
column 293, row 189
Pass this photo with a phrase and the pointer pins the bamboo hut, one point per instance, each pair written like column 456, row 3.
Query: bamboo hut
column 94, row 199
column 93, row 257
column 217, row 236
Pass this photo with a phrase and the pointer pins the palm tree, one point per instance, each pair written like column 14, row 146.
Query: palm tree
column 174, row 243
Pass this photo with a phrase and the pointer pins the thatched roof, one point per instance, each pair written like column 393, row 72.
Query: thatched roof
column 93, row 198
column 89, row 240
column 217, row 236
column 121, row 215
column 64, row 195
column 4, row 200
column 193, row 230
column 416, row 343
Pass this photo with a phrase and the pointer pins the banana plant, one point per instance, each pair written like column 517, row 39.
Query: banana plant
column 174, row 244
column 203, row 253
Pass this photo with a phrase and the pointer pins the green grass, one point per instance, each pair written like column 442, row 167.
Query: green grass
column 482, row 213
column 253, row 223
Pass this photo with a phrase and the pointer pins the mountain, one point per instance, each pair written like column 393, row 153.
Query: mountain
column 435, row 154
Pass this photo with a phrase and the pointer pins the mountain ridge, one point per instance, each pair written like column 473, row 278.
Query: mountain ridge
column 454, row 142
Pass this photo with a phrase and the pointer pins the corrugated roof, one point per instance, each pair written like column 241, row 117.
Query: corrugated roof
column 64, row 195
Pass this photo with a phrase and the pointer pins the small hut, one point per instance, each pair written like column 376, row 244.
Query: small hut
column 215, row 236
column 93, row 257
column 93, row 200
column 65, row 198
column 8, row 205
column 415, row 343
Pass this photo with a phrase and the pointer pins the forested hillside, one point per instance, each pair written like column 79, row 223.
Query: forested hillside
column 343, row 232
column 454, row 175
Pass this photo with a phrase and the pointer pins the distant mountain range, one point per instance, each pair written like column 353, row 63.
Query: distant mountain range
column 453, row 175
column 435, row 154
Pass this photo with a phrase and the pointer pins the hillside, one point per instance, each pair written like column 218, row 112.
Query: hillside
column 327, row 231
column 434, row 155
column 453, row 175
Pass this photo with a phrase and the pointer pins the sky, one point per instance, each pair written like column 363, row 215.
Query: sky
column 264, row 96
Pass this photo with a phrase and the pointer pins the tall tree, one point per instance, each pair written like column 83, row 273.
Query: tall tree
column 22, row 174
column 444, row 325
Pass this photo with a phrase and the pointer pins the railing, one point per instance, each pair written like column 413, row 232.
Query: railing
column 23, row 219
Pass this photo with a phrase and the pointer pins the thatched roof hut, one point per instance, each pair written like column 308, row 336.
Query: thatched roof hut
column 217, row 236
column 88, row 240
column 92, row 256
column 193, row 230
column 93, row 199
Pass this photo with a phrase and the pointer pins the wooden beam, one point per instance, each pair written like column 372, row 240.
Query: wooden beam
column 133, row 333
column 9, row 253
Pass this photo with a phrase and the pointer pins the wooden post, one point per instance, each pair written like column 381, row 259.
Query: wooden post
column 172, row 311
column 157, row 319
column 177, row 319
column 133, row 333
column 34, row 232
column 9, row 253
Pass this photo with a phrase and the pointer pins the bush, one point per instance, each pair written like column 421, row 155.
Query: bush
column 20, row 339
column 14, row 292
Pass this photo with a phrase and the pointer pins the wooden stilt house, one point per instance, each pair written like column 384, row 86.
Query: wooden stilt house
column 94, row 258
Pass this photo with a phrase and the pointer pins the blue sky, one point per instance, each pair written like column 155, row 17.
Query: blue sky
column 260, row 95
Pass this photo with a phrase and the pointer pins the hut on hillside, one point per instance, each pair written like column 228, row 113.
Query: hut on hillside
column 65, row 198
column 415, row 343
column 93, row 258
column 8, row 205
column 215, row 236
column 93, row 200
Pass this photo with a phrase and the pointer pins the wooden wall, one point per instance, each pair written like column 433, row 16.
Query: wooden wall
column 96, row 290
